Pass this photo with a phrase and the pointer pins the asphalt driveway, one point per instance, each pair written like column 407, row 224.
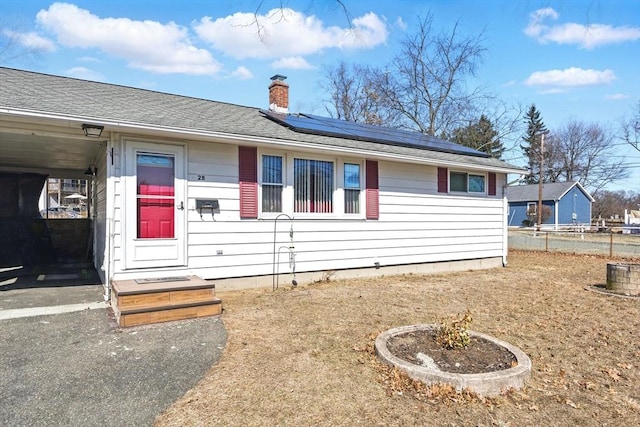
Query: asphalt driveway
column 80, row 369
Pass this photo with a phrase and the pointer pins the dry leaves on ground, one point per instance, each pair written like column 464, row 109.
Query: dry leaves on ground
column 304, row 356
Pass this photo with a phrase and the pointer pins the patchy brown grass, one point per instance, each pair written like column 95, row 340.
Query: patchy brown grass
column 304, row 356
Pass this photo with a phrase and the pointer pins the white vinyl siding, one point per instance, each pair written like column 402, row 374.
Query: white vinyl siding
column 416, row 223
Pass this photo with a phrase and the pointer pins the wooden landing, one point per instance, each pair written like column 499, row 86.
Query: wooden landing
column 143, row 302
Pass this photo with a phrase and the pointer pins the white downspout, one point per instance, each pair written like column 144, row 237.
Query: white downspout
column 505, row 226
column 555, row 216
column 109, row 208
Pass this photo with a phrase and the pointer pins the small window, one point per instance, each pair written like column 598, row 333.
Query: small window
column 351, row 188
column 313, row 186
column 458, row 181
column 271, row 184
column 476, row 183
column 466, row 183
column 532, row 208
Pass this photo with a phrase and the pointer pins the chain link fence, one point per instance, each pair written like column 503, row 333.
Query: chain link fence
column 579, row 241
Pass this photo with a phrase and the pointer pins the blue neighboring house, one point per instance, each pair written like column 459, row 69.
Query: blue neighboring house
column 569, row 202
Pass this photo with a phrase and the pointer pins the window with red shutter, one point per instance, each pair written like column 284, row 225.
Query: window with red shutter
column 372, row 191
column 492, row 184
column 443, row 183
column 248, row 180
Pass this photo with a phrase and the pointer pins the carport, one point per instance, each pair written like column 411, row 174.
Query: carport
column 35, row 251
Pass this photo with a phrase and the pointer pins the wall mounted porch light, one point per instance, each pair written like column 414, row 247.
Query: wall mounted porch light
column 93, row 131
column 91, row 170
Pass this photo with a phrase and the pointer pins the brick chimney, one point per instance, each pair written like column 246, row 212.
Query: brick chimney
column 279, row 94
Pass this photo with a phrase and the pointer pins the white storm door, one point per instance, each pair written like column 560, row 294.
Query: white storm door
column 154, row 205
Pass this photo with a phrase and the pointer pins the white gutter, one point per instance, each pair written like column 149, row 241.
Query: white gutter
column 120, row 126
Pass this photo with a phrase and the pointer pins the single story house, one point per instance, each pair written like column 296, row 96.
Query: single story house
column 184, row 187
column 569, row 204
column 631, row 222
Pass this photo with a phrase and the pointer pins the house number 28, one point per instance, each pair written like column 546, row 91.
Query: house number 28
column 200, row 177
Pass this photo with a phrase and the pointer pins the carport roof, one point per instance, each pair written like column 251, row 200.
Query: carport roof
column 29, row 94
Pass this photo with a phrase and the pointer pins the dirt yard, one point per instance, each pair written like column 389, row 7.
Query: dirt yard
column 304, row 356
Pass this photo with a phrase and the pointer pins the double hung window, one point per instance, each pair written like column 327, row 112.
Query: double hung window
column 351, row 188
column 272, row 183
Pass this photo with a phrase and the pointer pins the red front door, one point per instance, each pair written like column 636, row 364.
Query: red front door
column 156, row 196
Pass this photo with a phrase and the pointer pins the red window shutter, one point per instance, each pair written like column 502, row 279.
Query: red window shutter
column 492, row 184
column 443, row 178
column 248, row 180
column 372, row 192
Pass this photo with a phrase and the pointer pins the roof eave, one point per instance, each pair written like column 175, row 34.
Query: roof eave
column 122, row 126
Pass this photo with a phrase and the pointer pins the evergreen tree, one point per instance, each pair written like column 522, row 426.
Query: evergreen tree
column 480, row 136
column 531, row 145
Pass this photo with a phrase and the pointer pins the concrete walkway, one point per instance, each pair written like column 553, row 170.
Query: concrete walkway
column 70, row 365
column 16, row 313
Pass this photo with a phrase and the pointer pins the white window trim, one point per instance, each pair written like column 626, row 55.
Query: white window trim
column 284, row 182
column 361, row 195
column 261, row 154
column 475, row 193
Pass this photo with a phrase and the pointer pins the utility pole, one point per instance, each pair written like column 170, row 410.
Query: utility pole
column 540, row 179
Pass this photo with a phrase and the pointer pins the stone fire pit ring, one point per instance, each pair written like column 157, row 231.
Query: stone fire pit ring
column 485, row 384
column 623, row 278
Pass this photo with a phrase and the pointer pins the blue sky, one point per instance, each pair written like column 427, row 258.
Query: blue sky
column 573, row 59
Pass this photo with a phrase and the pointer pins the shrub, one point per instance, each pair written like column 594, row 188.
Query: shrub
column 532, row 216
column 454, row 332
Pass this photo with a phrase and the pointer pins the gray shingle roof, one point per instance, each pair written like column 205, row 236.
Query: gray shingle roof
column 550, row 191
column 25, row 91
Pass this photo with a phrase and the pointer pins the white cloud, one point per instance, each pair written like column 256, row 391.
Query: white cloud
column 552, row 91
column 617, row 96
column 535, row 27
column 400, row 23
column 286, row 33
column 242, row 73
column 147, row 45
column 570, row 77
column 585, row 36
column 292, row 63
column 89, row 59
column 85, row 73
column 30, row 40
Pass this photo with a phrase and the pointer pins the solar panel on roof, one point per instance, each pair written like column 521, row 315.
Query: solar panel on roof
column 317, row 125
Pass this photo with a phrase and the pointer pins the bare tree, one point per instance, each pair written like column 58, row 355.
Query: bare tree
column 631, row 128
column 582, row 152
column 608, row 204
column 354, row 95
column 427, row 82
column 424, row 88
column 278, row 12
